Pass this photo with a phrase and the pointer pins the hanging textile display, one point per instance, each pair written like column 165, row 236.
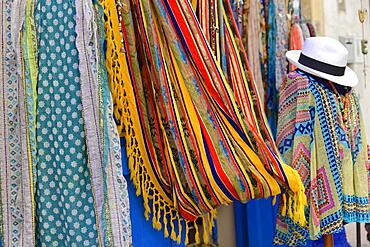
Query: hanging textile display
column 194, row 139
column 296, row 37
column 17, row 208
column 271, row 106
column 311, row 28
column 305, row 30
column 282, row 37
column 60, row 139
column 296, row 40
column 321, row 134
column 263, row 16
column 55, row 152
column 252, row 37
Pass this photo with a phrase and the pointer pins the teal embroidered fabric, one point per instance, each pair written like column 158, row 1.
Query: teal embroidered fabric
column 65, row 214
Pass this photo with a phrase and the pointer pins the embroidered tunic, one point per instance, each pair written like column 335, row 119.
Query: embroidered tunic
column 321, row 135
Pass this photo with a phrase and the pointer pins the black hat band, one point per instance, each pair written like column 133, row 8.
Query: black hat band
column 321, row 66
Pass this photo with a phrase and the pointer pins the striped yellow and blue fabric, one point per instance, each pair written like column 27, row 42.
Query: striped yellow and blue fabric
column 185, row 101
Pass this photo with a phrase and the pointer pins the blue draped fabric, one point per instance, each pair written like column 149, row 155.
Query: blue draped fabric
column 143, row 234
column 340, row 240
column 255, row 226
column 254, row 223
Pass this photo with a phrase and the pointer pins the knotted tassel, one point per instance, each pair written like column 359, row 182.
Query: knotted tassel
column 197, row 236
column 165, row 225
column 155, row 220
column 173, row 233
column 179, row 222
column 206, row 227
column 159, row 211
column 274, row 201
column 283, row 207
column 186, row 232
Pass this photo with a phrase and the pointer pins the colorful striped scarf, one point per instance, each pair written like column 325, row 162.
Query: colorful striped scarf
column 196, row 134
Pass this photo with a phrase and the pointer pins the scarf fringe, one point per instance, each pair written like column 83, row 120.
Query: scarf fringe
column 163, row 213
column 294, row 206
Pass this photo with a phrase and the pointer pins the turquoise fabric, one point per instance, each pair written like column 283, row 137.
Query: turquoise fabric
column 65, row 213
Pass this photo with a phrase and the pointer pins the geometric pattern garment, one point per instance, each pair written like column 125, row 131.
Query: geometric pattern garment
column 321, row 135
column 65, row 213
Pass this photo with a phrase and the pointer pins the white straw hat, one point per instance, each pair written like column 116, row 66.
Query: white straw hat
column 326, row 58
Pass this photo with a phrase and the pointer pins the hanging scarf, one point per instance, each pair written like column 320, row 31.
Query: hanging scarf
column 296, row 40
column 16, row 182
column 294, row 8
column 282, row 37
column 254, row 44
column 194, row 139
column 311, row 29
column 238, row 7
column 263, row 4
column 305, row 30
column 271, row 105
column 110, row 188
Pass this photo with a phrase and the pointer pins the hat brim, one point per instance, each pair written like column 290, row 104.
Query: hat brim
column 349, row 78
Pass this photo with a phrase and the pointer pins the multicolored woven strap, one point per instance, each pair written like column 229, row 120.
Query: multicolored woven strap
column 195, row 131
